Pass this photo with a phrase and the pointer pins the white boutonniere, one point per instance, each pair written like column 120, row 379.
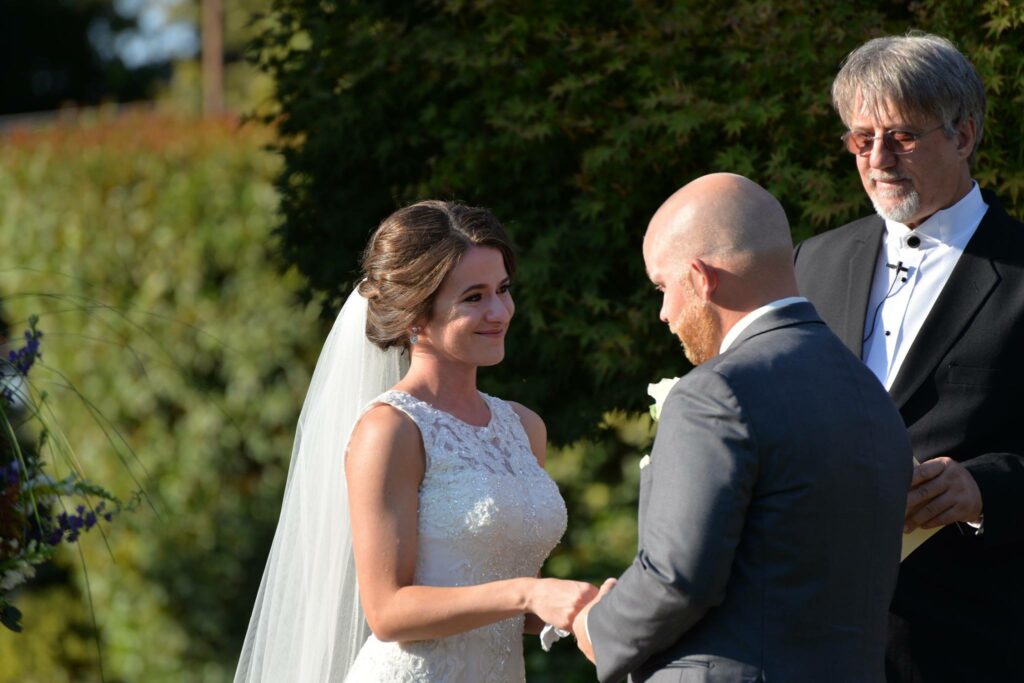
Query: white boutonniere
column 659, row 392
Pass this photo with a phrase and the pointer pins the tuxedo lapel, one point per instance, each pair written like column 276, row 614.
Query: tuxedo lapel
column 859, row 274
column 972, row 280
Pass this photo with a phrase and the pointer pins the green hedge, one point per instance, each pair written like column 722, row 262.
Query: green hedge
column 144, row 245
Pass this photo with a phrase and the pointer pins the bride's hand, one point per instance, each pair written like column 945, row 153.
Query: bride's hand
column 558, row 601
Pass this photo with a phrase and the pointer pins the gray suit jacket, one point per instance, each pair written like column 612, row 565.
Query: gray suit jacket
column 770, row 519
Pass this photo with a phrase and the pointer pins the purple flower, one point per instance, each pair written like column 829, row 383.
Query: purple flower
column 22, row 359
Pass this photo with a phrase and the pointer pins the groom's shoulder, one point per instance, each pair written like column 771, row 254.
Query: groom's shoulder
column 720, row 386
column 700, row 383
column 776, row 353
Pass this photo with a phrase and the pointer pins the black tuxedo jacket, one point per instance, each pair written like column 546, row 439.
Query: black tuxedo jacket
column 958, row 610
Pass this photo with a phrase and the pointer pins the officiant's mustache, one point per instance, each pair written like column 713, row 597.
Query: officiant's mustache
column 886, row 177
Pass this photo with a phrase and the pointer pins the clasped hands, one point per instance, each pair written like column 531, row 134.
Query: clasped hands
column 579, row 623
column 942, row 491
column 566, row 604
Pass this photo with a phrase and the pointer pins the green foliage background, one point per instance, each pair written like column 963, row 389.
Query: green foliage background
column 573, row 121
column 148, row 246
column 144, row 245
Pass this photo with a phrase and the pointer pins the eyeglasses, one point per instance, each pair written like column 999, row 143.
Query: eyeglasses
column 898, row 142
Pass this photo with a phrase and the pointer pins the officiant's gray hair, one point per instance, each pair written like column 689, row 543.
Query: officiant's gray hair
column 409, row 256
column 921, row 74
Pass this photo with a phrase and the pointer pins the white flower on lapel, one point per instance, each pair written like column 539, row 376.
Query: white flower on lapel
column 645, row 461
column 659, row 392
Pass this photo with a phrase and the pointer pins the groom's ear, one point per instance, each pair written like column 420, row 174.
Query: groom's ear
column 704, row 279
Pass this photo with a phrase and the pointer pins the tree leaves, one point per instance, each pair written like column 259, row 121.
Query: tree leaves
column 572, row 122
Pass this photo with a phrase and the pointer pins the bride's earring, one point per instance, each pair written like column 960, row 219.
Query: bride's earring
column 415, row 337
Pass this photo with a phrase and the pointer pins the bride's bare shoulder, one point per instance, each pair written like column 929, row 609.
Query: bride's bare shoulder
column 536, row 430
column 384, row 434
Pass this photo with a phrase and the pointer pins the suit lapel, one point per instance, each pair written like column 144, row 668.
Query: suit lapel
column 972, row 280
column 859, row 274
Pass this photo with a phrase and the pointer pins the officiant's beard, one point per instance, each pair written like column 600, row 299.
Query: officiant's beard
column 698, row 329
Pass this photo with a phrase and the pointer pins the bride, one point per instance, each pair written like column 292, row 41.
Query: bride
column 431, row 494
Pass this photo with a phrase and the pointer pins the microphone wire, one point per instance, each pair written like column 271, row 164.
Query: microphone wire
column 888, row 295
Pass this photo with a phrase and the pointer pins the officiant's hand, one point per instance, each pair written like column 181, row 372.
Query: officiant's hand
column 942, row 491
column 579, row 625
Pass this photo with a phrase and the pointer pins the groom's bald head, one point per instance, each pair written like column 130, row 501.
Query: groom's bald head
column 717, row 249
column 726, row 220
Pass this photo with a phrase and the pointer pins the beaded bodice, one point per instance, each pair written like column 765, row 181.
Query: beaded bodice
column 487, row 511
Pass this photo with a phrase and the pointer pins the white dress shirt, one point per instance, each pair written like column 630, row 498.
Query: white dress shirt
column 913, row 266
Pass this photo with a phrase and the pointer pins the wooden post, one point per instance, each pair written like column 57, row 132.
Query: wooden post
column 213, row 57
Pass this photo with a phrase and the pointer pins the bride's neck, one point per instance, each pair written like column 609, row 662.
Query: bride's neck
column 442, row 384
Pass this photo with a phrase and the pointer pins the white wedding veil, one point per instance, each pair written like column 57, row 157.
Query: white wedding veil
column 307, row 624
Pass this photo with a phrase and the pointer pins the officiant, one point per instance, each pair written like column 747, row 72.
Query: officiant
column 929, row 292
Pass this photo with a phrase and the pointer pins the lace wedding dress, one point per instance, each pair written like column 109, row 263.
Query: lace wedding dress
column 487, row 511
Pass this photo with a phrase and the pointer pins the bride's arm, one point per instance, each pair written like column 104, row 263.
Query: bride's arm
column 384, row 468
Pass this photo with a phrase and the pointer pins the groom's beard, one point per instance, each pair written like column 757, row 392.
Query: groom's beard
column 698, row 329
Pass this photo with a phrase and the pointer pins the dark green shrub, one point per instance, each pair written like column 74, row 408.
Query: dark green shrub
column 572, row 121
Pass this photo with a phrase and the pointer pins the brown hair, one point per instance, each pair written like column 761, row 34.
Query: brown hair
column 410, row 254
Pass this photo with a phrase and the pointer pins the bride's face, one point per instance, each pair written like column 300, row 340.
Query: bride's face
column 472, row 310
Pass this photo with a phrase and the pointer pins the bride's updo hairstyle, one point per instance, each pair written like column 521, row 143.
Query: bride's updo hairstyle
column 409, row 256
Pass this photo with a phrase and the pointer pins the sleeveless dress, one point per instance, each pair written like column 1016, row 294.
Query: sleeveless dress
column 487, row 511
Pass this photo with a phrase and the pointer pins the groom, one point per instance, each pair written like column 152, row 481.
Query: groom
column 772, row 508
